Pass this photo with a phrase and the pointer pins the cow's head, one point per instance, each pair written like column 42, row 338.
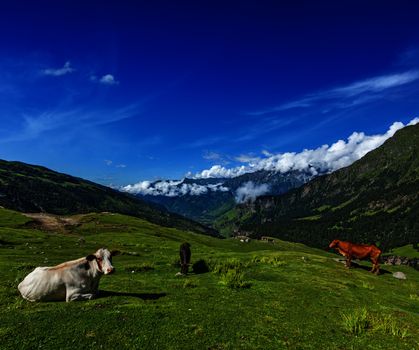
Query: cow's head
column 334, row 243
column 103, row 258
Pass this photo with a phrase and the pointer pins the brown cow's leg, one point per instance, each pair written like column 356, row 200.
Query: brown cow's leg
column 376, row 267
column 375, row 264
column 348, row 261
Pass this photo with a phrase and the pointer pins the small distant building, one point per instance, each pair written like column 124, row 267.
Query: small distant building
column 243, row 239
column 242, row 236
column 267, row 239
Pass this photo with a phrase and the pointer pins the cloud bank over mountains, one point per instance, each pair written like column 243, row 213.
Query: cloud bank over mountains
column 326, row 158
column 322, row 159
column 171, row 188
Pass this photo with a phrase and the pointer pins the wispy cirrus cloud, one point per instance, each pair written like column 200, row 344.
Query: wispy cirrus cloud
column 210, row 155
column 247, row 158
column 109, row 163
column 350, row 95
column 57, row 72
column 202, row 142
column 61, row 120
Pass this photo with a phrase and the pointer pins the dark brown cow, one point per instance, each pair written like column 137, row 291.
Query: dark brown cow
column 358, row 251
column 185, row 257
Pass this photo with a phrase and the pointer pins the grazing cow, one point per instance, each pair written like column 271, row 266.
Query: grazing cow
column 185, row 257
column 72, row 280
column 358, row 251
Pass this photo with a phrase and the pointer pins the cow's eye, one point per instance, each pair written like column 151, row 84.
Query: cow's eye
column 99, row 259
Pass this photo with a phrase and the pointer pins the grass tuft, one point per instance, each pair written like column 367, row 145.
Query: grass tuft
column 367, row 285
column 234, row 279
column 229, row 264
column 270, row 260
column 360, row 320
column 356, row 322
column 189, row 284
column 388, row 325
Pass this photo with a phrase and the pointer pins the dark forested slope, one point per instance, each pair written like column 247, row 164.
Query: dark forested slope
column 376, row 199
column 31, row 188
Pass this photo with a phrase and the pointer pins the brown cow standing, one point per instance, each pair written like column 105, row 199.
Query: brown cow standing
column 358, row 251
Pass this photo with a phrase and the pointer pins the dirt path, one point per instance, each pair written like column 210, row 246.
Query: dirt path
column 51, row 222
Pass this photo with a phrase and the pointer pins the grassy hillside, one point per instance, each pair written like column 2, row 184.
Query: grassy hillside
column 376, row 199
column 31, row 188
column 258, row 295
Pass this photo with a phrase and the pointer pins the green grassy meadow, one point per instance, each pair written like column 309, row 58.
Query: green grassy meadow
column 289, row 296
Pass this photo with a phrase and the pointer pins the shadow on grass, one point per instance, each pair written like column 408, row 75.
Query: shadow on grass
column 368, row 268
column 144, row 296
column 200, row 266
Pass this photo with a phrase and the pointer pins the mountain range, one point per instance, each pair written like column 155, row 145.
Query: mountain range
column 374, row 200
column 32, row 188
column 204, row 200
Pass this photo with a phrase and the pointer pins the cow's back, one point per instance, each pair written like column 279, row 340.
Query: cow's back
column 42, row 285
column 362, row 251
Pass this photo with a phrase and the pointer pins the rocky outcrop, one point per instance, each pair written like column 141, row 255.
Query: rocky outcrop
column 401, row 260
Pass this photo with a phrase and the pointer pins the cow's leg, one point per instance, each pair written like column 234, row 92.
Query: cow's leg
column 74, row 294
column 348, row 261
column 77, row 296
column 375, row 264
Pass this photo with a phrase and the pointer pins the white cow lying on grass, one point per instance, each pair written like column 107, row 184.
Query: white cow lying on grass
column 72, row 280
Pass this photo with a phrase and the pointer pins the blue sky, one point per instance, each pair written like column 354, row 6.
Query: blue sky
column 118, row 92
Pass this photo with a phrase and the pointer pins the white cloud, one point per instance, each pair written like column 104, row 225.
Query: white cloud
column 377, row 84
column 350, row 95
column 326, row 158
column 208, row 155
column 247, row 158
column 249, row 192
column 108, row 79
column 66, row 121
column 171, row 188
column 266, row 153
column 218, row 171
column 109, row 162
column 56, row 72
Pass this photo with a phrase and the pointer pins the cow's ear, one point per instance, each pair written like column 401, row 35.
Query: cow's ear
column 115, row 252
column 91, row 257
